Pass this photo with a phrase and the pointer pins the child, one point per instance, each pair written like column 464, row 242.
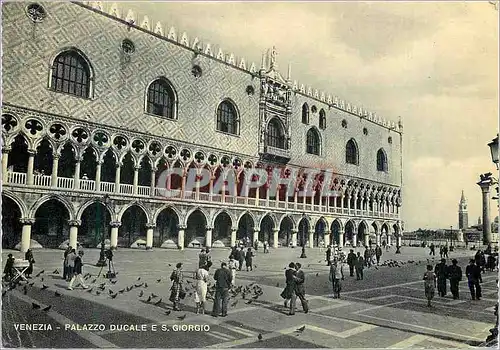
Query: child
column 429, row 284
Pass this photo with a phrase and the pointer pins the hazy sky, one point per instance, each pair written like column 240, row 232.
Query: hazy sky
column 433, row 64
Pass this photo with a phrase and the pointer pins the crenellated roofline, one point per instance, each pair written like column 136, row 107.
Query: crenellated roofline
column 206, row 50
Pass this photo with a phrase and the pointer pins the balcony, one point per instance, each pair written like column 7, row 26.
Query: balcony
column 275, row 154
column 16, row 179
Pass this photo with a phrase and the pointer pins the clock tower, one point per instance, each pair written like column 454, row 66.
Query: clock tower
column 463, row 218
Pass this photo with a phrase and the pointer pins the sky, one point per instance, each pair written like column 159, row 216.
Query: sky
column 434, row 64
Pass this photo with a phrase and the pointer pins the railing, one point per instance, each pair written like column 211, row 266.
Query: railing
column 16, row 178
column 87, row 185
column 126, row 188
column 107, row 186
column 41, row 180
column 143, row 190
column 65, row 182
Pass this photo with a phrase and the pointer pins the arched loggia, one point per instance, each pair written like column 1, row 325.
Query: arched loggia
column 51, row 226
column 303, row 234
column 43, row 158
column 266, row 230
column 166, row 227
column 319, row 232
column 336, row 232
column 245, row 229
column 133, row 226
column 285, row 232
column 196, row 228
column 95, row 222
column 349, row 233
column 11, row 226
column 18, row 156
column 222, row 229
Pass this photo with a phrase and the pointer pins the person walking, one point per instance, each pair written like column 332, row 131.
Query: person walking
column 177, row 292
column 360, row 265
column 367, row 257
column 336, row 275
column 482, row 262
column 233, row 266
column 300, row 289
column 441, row 271
column 249, row 259
column 432, row 248
column 429, row 284
column 241, row 258
column 29, row 256
column 79, row 249
column 455, row 276
column 329, row 255
column 9, row 268
column 77, row 272
column 70, row 262
column 65, row 263
column 491, row 263
column 266, row 247
column 351, row 261
column 289, row 292
column 445, row 252
column 378, row 253
column 222, row 279
column 201, row 288
column 473, row 273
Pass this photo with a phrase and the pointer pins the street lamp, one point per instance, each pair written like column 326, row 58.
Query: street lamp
column 494, row 150
column 303, row 254
column 451, row 238
column 102, row 254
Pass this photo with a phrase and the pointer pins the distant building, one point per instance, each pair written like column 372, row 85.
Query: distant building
column 463, row 216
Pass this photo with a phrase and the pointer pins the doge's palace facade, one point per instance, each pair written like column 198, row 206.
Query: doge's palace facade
column 98, row 104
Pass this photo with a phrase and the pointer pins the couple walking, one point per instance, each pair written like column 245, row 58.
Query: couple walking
column 295, row 287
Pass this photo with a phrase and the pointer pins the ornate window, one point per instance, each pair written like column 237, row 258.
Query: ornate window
column 351, row 152
column 313, row 142
column 275, row 134
column 305, row 114
column 161, row 99
column 71, row 74
column 322, row 119
column 381, row 160
column 227, row 118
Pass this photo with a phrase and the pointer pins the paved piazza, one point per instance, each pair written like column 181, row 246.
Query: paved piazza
column 385, row 310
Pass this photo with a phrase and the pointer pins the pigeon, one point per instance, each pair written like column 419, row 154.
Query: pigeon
column 41, row 279
column 25, row 289
column 149, row 299
column 121, row 291
column 317, row 274
column 259, row 337
column 169, row 264
column 94, row 281
column 44, row 286
column 114, row 296
column 56, row 271
column 138, row 278
column 158, row 302
column 234, row 304
column 31, row 284
column 113, row 282
column 254, row 266
column 102, row 285
column 159, row 280
column 301, row 329
column 145, row 285
column 138, row 285
column 47, row 308
column 154, row 295
column 111, row 292
column 90, row 290
column 97, row 292
column 255, row 297
column 35, row 306
column 249, row 302
column 182, row 317
column 168, row 312
column 141, row 293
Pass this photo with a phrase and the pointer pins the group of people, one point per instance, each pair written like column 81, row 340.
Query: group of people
column 295, row 287
column 9, row 271
column 437, row 278
column 240, row 256
column 73, row 265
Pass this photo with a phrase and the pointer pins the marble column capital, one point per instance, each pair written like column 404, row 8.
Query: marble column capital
column 27, row 221
column 181, row 227
column 150, row 225
column 74, row 222
column 115, row 224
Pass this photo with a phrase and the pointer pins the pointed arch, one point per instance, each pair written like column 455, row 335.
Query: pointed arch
column 69, row 207
column 382, row 160
column 290, row 217
column 161, row 98
column 313, row 141
column 250, row 214
column 305, row 113
column 91, row 201
column 129, row 205
column 275, row 135
column 192, row 210
column 228, row 117
column 223, row 210
column 271, row 215
column 351, row 152
column 22, row 206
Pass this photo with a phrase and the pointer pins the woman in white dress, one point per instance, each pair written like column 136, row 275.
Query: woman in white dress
column 233, row 265
column 200, row 294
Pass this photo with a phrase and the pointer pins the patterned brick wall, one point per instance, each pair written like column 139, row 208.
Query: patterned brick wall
column 120, row 87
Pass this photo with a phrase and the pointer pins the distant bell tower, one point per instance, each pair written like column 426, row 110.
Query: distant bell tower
column 463, row 217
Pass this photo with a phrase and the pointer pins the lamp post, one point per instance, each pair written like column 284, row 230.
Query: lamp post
column 451, row 238
column 102, row 255
column 494, row 150
column 304, row 226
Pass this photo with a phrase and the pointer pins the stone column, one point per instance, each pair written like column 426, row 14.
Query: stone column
column 31, row 163
column 367, row 238
column 388, row 238
column 255, row 235
column 117, row 177
column 114, row 234
column 76, row 175
column 135, row 182
column 208, row 237
column 153, row 180
column 295, row 199
column 311, row 239
column 399, row 241
column 211, row 188
column 378, row 239
column 180, row 237
column 485, row 189
column 275, row 238
column 149, row 235
column 98, row 176
column 73, row 232
column 183, row 184
column 327, row 239
column 355, row 239
column 233, row 237
column 26, row 233
column 294, row 237
column 5, row 162
column 341, row 239
column 55, row 167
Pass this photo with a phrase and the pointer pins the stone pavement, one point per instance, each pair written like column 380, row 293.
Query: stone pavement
column 387, row 309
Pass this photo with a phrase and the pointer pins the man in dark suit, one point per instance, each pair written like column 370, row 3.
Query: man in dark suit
column 222, row 279
column 300, row 289
column 473, row 273
column 351, row 261
column 328, row 256
column 360, row 265
column 455, row 276
column 289, row 291
column 441, row 271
